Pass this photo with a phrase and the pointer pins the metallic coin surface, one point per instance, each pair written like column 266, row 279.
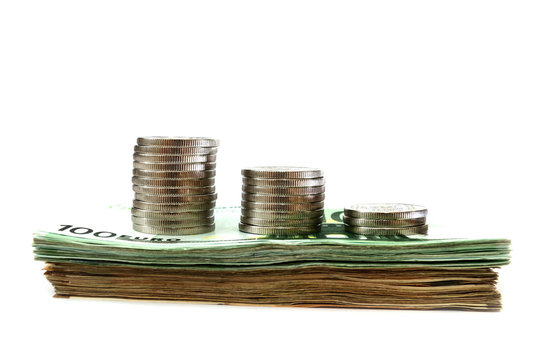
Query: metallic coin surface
column 173, row 223
column 412, row 230
column 188, row 215
column 283, row 182
column 153, row 190
column 282, row 215
column 167, row 199
column 160, row 230
column 173, row 207
column 385, row 211
column 267, row 230
column 174, row 166
column 384, row 223
column 143, row 181
column 281, row 223
column 177, row 175
column 177, row 141
column 283, row 199
column 175, row 150
column 304, row 190
column 282, row 172
column 184, row 159
column 251, row 205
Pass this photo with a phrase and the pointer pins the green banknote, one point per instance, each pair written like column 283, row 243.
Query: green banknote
column 111, row 241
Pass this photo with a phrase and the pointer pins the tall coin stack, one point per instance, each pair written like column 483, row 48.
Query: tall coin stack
column 385, row 219
column 282, row 200
column 174, row 185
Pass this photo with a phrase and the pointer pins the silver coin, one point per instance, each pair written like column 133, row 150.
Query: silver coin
column 175, row 150
column 306, row 190
column 177, row 141
column 385, row 211
column 160, row 230
column 188, row 215
column 281, row 223
column 283, row 199
column 153, row 190
column 412, row 230
column 173, row 166
column 283, row 182
column 384, row 223
column 168, row 199
column 174, row 207
column 176, row 175
column 182, row 159
column 268, row 230
column 173, row 223
column 251, row 205
column 282, row 215
column 282, row 172
column 143, row 181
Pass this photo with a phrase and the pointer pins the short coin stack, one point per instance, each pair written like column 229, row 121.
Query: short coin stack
column 174, row 184
column 282, row 200
column 385, row 219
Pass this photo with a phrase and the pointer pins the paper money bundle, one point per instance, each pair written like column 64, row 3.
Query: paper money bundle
column 315, row 286
column 331, row 269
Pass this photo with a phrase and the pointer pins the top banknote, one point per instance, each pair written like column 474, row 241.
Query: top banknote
column 114, row 242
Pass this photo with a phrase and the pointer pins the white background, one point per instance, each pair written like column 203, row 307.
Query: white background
column 430, row 102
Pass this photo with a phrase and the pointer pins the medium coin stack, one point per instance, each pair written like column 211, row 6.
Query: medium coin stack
column 174, row 185
column 385, row 219
column 282, row 200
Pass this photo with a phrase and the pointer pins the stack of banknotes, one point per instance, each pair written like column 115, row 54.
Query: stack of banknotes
column 331, row 269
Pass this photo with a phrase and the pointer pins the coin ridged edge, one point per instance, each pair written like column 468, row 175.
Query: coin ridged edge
column 416, row 212
column 177, row 141
column 281, row 223
column 174, row 191
column 300, row 190
column 165, row 215
column 173, row 223
column 252, row 205
column 264, row 230
column 156, row 166
column 165, row 199
column 175, row 183
column 174, row 159
column 384, row 223
column 282, row 215
column 283, row 199
column 281, row 172
column 273, row 183
column 173, row 207
column 174, row 150
column 412, row 230
column 158, row 230
column 175, row 175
